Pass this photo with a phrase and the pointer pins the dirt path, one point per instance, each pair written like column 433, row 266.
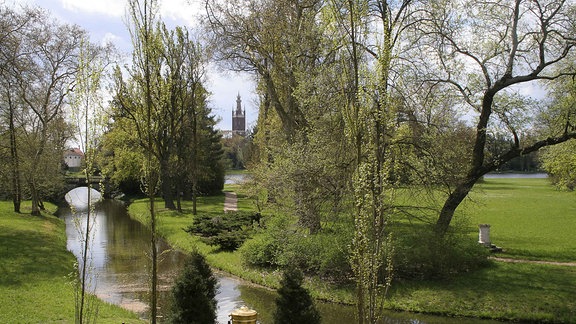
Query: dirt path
column 230, row 202
column 567, row 264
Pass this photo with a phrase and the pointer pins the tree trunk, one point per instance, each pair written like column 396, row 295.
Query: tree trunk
column 194, row 196
column 167, row 192
column 35, row 199
column 452, row 202
column 16, row 181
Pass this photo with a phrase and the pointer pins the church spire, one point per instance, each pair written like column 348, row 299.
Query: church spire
column 238, row 105
column 239, row 118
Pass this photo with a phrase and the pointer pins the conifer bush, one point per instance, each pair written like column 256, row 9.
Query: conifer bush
column 294, row 304
column 194, row 293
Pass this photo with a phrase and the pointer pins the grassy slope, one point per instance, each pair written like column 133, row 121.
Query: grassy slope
column 35, row 267
column 514, row 208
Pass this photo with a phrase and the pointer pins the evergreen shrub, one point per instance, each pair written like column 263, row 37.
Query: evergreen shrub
column 194, row 293
column 228, row 230
column 294, row 304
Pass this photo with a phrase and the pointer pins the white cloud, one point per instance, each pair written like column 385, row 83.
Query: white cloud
column 113, row 8
column 186, row 11
column 111, row 38
column 178, row 10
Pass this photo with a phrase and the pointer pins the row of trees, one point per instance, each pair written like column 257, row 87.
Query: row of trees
column 360, row 100
column 52, row 82
column 38, row 65
column 157, row 132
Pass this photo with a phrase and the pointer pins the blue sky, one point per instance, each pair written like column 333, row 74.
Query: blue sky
column 105, row 21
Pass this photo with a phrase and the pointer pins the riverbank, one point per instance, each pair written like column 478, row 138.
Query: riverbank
column 36, row 267
column 505, row 291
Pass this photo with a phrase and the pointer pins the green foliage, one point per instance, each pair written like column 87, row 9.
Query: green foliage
column 560, row 163
column 262, row 251
column 325, row 254
column 420, row 254
column 228, row 230
column 294, row 304
column 194, row 293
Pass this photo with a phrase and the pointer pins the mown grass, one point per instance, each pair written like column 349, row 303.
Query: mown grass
column 36, row 269
column 529, row 218
column 508, row 291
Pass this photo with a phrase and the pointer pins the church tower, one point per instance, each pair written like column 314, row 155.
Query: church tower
column 239, row 118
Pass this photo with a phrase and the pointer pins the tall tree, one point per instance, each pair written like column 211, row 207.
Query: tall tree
column 560, row 160
column 140, row 100
column 371, row 114
column 276, row 39
column 486, row 52
column 87, row 111
column 12, row 30
column 281, row 42
column 49, row 61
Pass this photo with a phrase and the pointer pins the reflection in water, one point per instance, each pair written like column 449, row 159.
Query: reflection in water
column 119, row 253
column 120, row 262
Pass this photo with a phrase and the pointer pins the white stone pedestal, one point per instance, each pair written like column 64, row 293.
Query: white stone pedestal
column 484, row 234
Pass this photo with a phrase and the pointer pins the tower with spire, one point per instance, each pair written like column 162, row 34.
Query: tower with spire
column 239, row 118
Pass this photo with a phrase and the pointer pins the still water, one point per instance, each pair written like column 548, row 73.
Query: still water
column 119, row 263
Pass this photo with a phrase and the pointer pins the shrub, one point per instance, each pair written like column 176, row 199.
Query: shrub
column 325, row 254
column 228, row 230
column 194, row 293
column 294, row 304
column 262, row 251
column 419, row 253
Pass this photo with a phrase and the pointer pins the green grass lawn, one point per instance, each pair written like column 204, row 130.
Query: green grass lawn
column 529, row 218
column 509, row 291
column 35, row 267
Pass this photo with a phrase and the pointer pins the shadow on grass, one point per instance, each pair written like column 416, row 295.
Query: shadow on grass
column 507, row 291
column 27, row 256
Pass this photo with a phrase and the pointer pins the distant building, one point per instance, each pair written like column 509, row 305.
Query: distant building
column 73, row 159
column 239, row 118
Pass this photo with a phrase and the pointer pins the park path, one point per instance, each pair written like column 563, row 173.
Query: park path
column 230, row 201
column 567, row 264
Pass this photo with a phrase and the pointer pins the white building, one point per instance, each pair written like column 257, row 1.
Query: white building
column 73, row 158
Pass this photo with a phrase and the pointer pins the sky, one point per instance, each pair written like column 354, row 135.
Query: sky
column 105, row 22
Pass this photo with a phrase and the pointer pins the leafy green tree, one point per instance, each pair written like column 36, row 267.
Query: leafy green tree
column 281, row 42
column 560, row 161
column 141, row 102
column 194, row 293
column 13, row 28
column 38, row 61
column 294, row 304
column 484, row 54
